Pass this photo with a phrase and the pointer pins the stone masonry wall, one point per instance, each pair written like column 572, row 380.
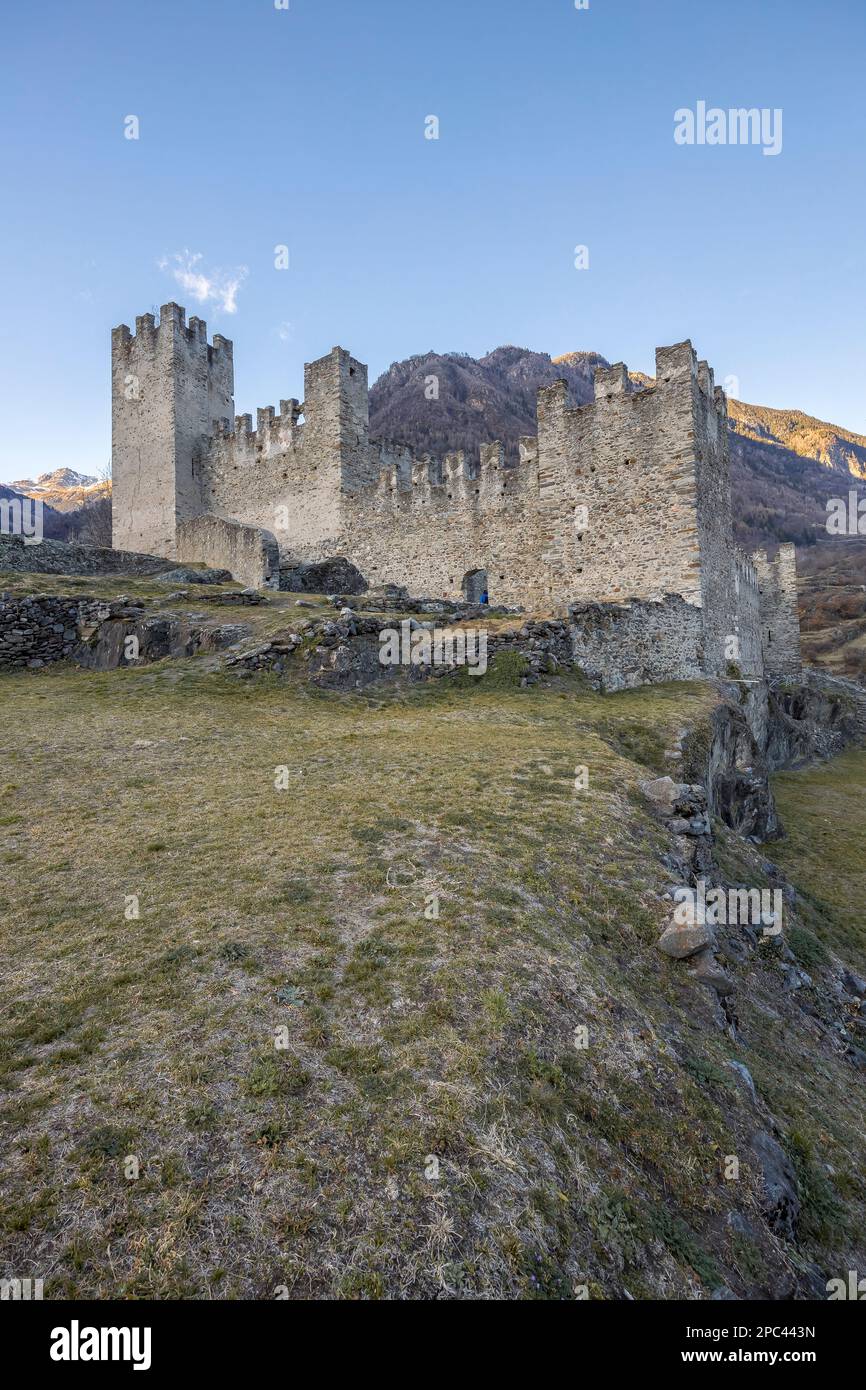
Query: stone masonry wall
column 747, row 601
column 618, row 646
column 37, row 630
column 290, row 477
column 780, row 625
column 617, row 485
column 429, row 528
column 249, row 553
column 170, row 391
column 715, row 525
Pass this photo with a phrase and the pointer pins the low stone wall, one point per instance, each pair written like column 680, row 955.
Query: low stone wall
column 39, row 629
column 343, row 652
column 67, row 557
column 619, row 646
column 34, row 631
column 250, row 553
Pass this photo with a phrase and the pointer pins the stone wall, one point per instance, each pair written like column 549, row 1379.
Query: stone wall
column 37, row 630
column 430, row 528
column 713, row 505
column 747, row 601
column 780, row 624
column 622, row 645
column 617, row 487
column 250, row 554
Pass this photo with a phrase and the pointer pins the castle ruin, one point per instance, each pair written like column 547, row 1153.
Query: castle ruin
column 618, row 513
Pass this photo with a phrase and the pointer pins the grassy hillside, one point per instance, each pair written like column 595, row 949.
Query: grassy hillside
column 817, row 805
column 431, row 1127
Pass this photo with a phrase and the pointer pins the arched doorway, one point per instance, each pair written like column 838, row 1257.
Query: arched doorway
column 474, row 586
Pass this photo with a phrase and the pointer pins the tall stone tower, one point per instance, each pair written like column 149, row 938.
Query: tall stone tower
column 337, row 415
column 169, row 389
column 780, row 621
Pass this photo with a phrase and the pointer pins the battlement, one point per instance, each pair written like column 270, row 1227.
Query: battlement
column 273, row 431
column 456, row 480
column 745, row 570
column 610, row 381
column 676, row 364
column 150, row 336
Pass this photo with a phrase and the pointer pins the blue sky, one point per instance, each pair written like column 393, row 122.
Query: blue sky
column 261, row 127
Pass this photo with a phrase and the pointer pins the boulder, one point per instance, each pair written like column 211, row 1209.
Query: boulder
column 682, row 942
column 334, row 576
column 707, row 971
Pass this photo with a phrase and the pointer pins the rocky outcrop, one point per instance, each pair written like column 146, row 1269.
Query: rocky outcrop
column 67, row 557
column 815, row 717
column 337, row 576
column 185, row 574
column 123, row 634
column 756, row 729
column 761, row 728
column 780, row 1198
column 737, row 771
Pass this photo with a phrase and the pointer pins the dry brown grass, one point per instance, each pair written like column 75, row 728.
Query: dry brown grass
column 408, row 1038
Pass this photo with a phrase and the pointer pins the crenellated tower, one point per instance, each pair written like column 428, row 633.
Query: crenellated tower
column 170, row 389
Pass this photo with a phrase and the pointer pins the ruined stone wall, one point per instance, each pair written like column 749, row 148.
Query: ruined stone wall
column 747, row 627
column 249, row 553
column 618, row 486
column 427, row 530
column 289, row 477
column 626, row 498
column 170, row 390
column 780, row 626
column 36, row 630
column 713, row 500
column 620, row 645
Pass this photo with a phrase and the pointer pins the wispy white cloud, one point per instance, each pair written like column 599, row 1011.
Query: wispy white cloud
column 284, row 331
column 219, row 287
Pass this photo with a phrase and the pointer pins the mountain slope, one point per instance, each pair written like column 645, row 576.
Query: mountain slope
column 478, row 400
column 837, row 449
